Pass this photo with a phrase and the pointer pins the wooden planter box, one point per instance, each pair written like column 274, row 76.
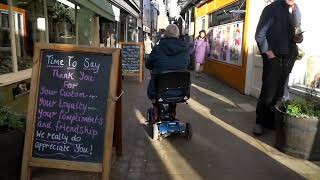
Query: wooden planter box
column 11, row 149
column 298, row 137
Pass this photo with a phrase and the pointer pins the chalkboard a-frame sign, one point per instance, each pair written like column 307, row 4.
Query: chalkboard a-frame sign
column 71, row 109
column 132, row 54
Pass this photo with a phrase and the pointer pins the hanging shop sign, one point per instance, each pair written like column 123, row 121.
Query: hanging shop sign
column 132, row 59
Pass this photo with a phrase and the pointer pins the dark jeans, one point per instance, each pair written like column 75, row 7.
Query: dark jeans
column 275, row 74
column 156, row 110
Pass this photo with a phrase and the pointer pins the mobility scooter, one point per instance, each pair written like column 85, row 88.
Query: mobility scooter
column 172, row 87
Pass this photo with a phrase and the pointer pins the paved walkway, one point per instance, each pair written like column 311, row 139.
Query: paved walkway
column 222, row 147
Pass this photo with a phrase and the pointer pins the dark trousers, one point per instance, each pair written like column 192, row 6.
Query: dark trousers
column 275, row 74
column 156, row 110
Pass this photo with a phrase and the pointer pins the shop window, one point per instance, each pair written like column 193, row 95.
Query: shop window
column 86, row 26
column 108, row 33
column 4, row 20
column 203, row 24
column 192, row 15
column 129, row 28
column 27, row 32
column 31, row 24
column 229, row 14
column 5, row 43
column 61, row 21
column 24, row 27
column 306, row 71
column 133, row 31
column 226, row 33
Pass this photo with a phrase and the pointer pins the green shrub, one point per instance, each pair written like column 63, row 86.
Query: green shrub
column 303, row 108
column 10, row 120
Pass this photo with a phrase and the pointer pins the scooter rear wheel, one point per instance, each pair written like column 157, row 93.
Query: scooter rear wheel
column 188, row 131
column 149, row 116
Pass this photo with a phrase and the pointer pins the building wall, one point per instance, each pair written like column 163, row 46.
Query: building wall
column 163, row 21
column 147, row 16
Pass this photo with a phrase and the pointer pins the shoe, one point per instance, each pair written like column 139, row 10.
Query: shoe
column 258, row 130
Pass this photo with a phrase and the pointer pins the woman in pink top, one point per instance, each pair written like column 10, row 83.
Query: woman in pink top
column 201, row 50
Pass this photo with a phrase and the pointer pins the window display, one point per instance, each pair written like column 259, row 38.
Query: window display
column 5, row 43
column 61, row 20
column 226, row 42
column 226, row 33
column 27, row 15
column 49, row 21
column 133, row 31
column 108, row 33
column 86, row 26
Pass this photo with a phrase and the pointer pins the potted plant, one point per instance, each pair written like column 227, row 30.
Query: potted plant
column 11, row 143
column 298, row 127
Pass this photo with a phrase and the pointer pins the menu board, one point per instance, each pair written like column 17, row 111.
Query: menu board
column 70, row 117
column 130, row 56
column 226, row 42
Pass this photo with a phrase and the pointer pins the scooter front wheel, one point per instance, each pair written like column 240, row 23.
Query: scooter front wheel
column 188, row 131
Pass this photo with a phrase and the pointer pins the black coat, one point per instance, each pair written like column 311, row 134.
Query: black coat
column 170, row 54
column 275, row 30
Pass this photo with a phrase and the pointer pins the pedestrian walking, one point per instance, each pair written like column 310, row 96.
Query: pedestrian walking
column 148, row 45
column 200, row 51
column 277, row 34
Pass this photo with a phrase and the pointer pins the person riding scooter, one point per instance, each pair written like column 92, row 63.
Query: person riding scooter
column 170, row 54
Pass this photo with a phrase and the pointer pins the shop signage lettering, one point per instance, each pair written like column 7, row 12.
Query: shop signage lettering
column 71, row 106
column 130, row 56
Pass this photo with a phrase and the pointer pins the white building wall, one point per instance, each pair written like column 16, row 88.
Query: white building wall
column 163, row 21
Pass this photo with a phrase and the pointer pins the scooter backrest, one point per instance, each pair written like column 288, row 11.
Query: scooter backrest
column 174, row 85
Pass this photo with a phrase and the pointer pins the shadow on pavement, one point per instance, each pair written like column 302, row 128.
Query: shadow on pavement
column 213, row 153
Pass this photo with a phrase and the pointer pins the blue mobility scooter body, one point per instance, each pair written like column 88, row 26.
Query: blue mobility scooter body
column 172, row 87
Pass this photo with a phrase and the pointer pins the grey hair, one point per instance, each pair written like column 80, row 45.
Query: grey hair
column 172, row 31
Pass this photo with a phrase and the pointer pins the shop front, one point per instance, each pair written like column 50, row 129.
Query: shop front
column 225, row 24
column 130, row 20
column 26, row 22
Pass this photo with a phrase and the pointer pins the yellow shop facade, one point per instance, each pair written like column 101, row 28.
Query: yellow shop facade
column 234, row 57
column 226, row 25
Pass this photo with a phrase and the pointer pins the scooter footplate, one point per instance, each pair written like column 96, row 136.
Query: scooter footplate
column 172, row 127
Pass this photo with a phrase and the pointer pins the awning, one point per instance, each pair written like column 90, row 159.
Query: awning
column 123, row 5
column 100, row 7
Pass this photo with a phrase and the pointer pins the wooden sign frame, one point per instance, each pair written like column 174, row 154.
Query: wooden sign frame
column 29, row 161
column 141, row 72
